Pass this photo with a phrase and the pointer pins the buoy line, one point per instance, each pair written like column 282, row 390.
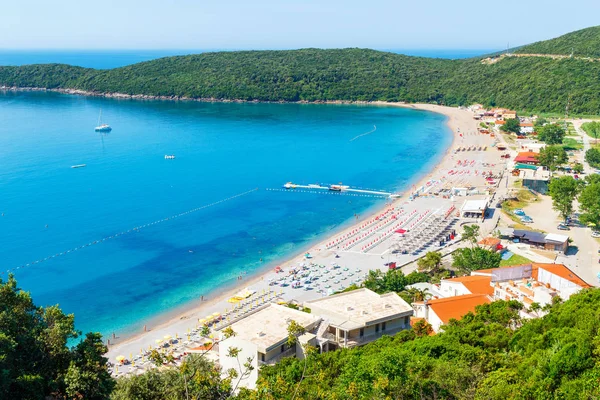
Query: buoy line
column 331, row 193
column 364, row 134
column 136, row 229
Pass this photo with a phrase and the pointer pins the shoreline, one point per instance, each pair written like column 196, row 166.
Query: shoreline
column 174, row 322
column 125, row 96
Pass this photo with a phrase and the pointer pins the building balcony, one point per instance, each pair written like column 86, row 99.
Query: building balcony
column 288, row 353
column 358, row 341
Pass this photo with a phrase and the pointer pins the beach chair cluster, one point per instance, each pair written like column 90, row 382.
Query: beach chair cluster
column 413, row 218
column 434, row 231
column 366, row 227
column 470, row 148
column 245, row 306
column 320, row 277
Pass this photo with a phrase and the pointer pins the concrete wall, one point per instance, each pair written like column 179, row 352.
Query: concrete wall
column 434, row 321
column 248, row 349
column 451, row 289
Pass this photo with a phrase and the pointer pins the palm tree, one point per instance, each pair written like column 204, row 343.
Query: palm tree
column 415, row 294
column 471, row 233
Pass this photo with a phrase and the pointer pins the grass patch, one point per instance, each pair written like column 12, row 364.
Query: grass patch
column 570, row 144
column 515, row 260
column 523, row 198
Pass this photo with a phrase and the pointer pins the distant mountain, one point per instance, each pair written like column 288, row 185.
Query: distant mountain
column 582, row 43
column 533, row 84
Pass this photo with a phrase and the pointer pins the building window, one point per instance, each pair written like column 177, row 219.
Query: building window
column 406, row 320
column 362, row 332
column 262, row 357
column 282, row 348
column 383, row 326
column 376, row 328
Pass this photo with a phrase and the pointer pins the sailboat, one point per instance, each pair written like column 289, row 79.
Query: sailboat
column 102, row 127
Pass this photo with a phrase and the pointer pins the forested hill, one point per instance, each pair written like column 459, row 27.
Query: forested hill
column 582, row 43
column 535, row 84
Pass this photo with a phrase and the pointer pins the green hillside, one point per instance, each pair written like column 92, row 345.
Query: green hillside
column 582, row 43
column 534, row 84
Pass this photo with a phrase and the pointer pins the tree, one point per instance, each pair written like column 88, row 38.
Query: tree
column 87, row 376
column 563, row 191
column 578, row 168
column 422, row 328
column 430, row 262
column 589, row 203
column 471, row 259
column 592, row 128
column 195, row 378
column 471, row 233
column 552, row 157
column 552, row 134
column 592, row 156
column 35, row 361
column 512, row 125
column 539, row 123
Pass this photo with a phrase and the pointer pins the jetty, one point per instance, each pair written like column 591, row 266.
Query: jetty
column 339, row 188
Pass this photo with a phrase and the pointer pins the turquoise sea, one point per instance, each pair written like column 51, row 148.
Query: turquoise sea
column 221, row 150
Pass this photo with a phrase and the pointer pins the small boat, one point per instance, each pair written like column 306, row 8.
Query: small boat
column 289, row 185
column 102, row 127
column 169, row 156
column 78, row 166
column 338, row 188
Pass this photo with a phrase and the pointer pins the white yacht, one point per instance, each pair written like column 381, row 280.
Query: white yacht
column 102, row 127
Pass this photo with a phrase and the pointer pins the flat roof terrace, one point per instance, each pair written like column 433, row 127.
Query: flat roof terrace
column 267, row 327
column 359, row 308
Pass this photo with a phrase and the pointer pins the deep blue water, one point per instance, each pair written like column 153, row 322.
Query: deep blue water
column 104, row 59
column 221, row 150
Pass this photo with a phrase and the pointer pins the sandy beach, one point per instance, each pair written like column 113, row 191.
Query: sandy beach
column 366, row 245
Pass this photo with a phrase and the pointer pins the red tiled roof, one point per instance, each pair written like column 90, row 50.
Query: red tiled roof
column 455, row 307
column 476, row 284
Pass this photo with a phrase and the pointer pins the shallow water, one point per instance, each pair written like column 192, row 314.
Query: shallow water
column 221, row 150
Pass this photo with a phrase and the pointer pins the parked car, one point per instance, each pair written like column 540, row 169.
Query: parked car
column 562, row 227
column 595, row 234
column 519, row 212
column 526, row 220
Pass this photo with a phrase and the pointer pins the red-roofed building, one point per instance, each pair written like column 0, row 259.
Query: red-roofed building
column 439, row 312
column 528, row 284
column 526, row 127
column 527, row 157
column 470, row 284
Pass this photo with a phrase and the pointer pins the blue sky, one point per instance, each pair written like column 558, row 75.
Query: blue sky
column 277, row 24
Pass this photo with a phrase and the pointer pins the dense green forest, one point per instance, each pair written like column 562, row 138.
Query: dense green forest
column 531, row 84
column 490, row 354
column 582, row 43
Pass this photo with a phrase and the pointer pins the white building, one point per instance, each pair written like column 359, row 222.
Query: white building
column 358, row 317
column 262, row 337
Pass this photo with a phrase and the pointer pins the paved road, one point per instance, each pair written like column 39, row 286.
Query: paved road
column 583, row 255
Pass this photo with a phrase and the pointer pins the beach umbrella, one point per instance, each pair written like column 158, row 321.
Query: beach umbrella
column 167, row 337
column 120, row 358
column 202, row 321
column 208, row 317
column 216, row 314
column 158, row 341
